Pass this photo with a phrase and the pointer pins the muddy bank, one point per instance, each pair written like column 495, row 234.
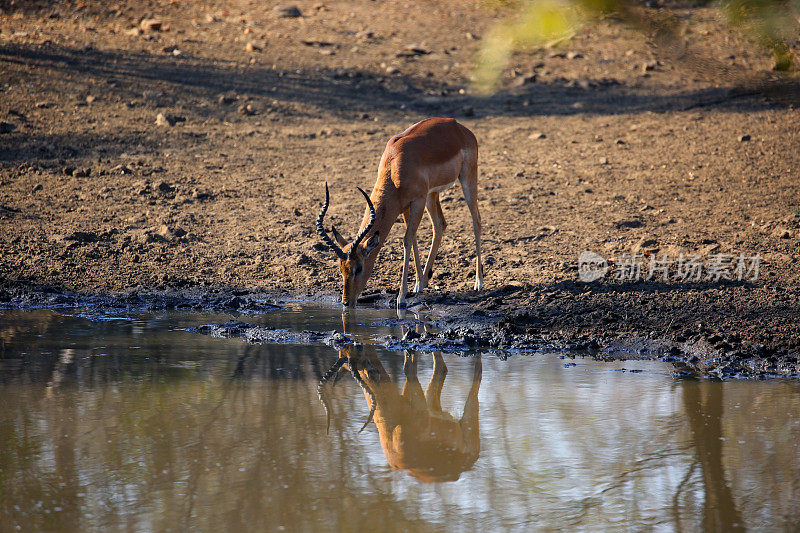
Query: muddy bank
column 719, row 333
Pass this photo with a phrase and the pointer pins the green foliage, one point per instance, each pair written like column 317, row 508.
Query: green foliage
column 536, row 24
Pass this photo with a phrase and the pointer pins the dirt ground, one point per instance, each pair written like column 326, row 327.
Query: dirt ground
column 192, row 157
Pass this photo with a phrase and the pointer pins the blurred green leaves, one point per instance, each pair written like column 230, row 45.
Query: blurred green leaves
column 533, row 24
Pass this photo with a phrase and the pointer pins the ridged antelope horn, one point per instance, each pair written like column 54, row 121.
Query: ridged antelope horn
column 322, row 393
column 321, row 229
column 369, row 225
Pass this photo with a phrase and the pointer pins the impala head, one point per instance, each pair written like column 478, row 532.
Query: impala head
column 353, row 262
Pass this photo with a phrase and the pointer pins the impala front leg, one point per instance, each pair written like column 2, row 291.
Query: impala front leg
column 412, row 217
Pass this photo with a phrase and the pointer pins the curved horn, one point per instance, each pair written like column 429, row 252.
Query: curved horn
column 322, row 393
column 369, row 225
column 321, row 229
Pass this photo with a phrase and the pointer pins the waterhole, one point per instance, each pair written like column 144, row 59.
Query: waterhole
column 144, row 422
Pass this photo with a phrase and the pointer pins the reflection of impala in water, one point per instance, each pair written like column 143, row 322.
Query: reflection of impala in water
column 415, row 434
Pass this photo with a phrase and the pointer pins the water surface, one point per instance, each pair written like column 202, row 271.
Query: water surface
column 132, row 422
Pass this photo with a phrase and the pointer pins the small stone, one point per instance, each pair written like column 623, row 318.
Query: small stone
column 536, row 135
column 649, row 65
column 392, row 70
column 603, row 160
column 288, row 11
column 151, row 25
column 6, row 127
column 744, row 138
column 121, row 169
column 619, row 141
column 168, row 119
column 90, row 99
column 574, row 55
column 44, row 105
column 133, row 32
column 246, row 109
column 37, row 187
column 471, row 36
column 225, row 99
column 82, row 173
column 165, row 187
column 252, row 47
column 417, row 49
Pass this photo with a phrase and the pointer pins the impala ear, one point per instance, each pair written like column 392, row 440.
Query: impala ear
column 372, row 243
column 338, row 236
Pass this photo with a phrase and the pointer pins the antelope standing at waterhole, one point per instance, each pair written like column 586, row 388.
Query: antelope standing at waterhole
column 416, row 165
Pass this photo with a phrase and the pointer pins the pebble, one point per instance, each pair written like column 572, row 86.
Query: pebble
column 392, row 70
column 288, row 11
column 537, row 135
column 226, row 99
column 151, row 25
column 603, row 160
column 246, row 109
column 252, row 47
column 168, row 119
column 574, row 55
column 37, row 187
column 744, row 138
column 90, row 99
column 649, row 65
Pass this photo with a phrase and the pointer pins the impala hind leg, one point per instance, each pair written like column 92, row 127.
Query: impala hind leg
column 412, row 217
column 470, row 188
column 434, row 209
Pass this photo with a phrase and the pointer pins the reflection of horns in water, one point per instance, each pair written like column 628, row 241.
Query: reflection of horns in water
column 333, row 372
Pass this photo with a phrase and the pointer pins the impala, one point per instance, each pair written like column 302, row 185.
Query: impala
column 416, row 165
column 415, row 433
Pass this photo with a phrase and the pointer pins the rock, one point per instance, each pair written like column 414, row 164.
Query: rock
column 536, row 135
column 392, row 70
column 782, row 233
column 151, row 25
column 574, row 55
column 225, row 99
column 44, row 105
column 471, row 36
column 37, row 187
column 82, row 173
column 603, row 160
column 649, row 65
column 165, row 187
column 167, row 119
column 133, row 32
column 121, row 169
column 619, row 141
column 744, row 138
column 246, row 109
column 413, row 50
column 6, row 127
column 289, row 11
column 252, row 47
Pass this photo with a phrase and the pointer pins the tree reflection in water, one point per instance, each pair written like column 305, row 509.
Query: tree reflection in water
column 133, row 425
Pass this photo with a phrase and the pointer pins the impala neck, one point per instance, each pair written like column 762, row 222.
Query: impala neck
column 384, row 220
